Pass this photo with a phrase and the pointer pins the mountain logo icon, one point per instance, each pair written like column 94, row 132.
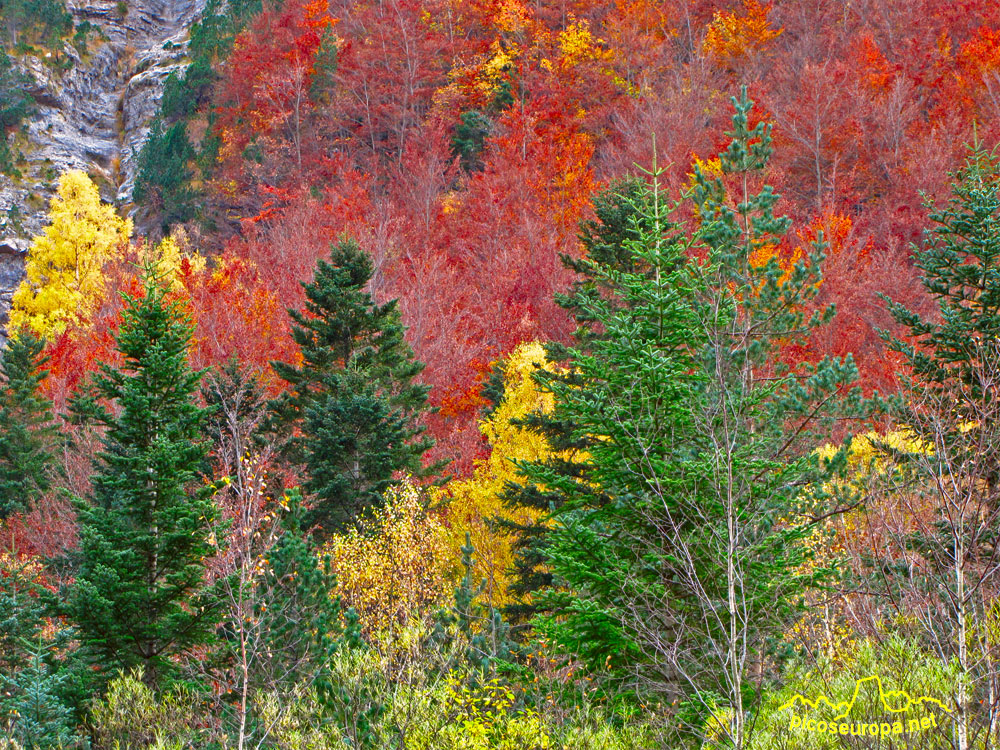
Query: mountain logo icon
column 844, row 707
column 894, row 703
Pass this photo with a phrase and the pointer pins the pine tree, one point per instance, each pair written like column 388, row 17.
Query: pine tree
column 354, row 398
column 15, row 104
column 485, row 633
column 757, row 422
column 27, row 430
column 139, row 596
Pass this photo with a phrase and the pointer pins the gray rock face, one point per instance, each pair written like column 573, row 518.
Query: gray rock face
column 94, row 116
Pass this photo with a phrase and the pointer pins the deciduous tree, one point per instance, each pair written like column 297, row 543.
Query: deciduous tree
column 64, row 272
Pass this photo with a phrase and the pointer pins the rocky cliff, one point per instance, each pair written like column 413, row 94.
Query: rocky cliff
column 93, row 116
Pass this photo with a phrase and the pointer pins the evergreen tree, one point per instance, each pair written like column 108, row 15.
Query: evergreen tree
column 738, row 573
column 302, row 620
column 40, row 719
column 47, row 20
column 623, row 407
column 163, row 181
column 139, row 596
column 36, row 683
column 959, row 262
column 678, row 556
column 15, row 104
column 949, row 473
column 353, row 399
column 621, row 217
column 27, row 429
column 483, row 633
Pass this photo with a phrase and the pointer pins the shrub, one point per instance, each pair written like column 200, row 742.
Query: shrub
column 899, row 664
column 132, row 717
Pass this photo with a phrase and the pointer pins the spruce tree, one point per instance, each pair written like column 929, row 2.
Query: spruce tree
column 27, row 429
column 139, row 596
column 354, row 399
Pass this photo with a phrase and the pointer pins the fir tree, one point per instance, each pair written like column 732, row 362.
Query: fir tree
column 39, row 718
column 37, row 686
column 15, row 104
column 139, row 596
column 677, row 554
column 163, row 181
column 27, row 429
column 623, row 407
column 621, row 217
column 301, row 618
column 354, row 398
column 949, row 405
column 959, row 262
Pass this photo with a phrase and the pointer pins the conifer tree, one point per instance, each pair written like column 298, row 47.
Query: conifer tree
column 27, row 430
column 622, row 404
column 40, row 719
column 678, row 552
column 621, row 216
column 302, row 619
column 15, row 104
column 37, row 680
column 163, row 182
column 139, row 595
column 756, row 423
column 485, row 634
column 949, row 473
column 354, row 398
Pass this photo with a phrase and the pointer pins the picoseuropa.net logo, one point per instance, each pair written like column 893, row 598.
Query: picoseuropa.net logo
column 903, row 713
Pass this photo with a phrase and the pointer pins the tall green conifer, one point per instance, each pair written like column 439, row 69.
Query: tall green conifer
column 354, row 400
column 950, row 474
column 27, row 430
column 622, row 216
column 139, row 595
column 677, row 553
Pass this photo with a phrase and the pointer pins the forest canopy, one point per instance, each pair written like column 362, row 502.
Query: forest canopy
column 504, row 375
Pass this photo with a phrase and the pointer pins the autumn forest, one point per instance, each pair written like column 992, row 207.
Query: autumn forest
column 493, row 374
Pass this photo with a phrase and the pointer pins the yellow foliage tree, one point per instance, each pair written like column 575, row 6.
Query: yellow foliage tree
column 822, row 626
column 471, row 503
column 731, row 38
column 577, row 45
column 393, row 566
column 64, row 273
column 174, row 259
